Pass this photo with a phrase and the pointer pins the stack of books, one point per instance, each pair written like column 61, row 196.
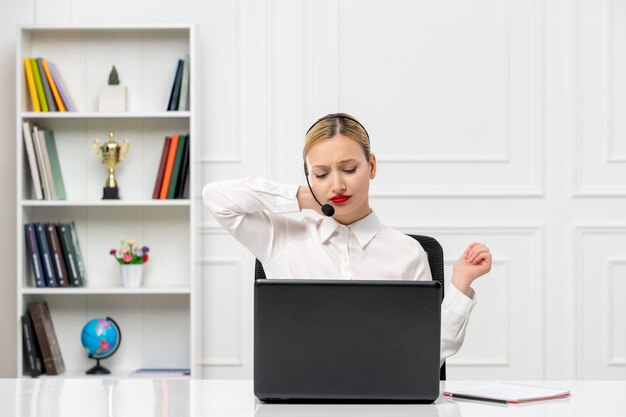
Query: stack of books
column 55, row 255
column 172, row 180
column 43, row 159
column 41, row 347
column 179, row 92
column 46, row 89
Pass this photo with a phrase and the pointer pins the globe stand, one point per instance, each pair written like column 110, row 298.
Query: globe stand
column 98, row 369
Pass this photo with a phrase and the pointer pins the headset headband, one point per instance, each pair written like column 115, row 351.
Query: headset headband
column 338, row 116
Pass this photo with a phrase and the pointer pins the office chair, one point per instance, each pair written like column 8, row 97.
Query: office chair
column 435, row 261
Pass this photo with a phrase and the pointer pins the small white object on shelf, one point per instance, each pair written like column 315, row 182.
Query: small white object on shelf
column 132, row 275
column 113, row 98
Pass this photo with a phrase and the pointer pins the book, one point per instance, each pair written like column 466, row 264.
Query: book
column 509, row 393
column 175, row 94
column 55, row 165
column 178, row 159
column 57, row 255
column 46, row 256
column 159, row 178
column 183, row 102
column 46, row 337
column 32, row 249
column 32, row 355
column 82, row 271
column 45, row 186
column 32, row 160
column 46, row 163
column 58, row 80
column 55, row 91
column 186, row 188
column 30, row 83
column 46, row 86
column 162, row 372
column 184, row 171
column 39, row 85
column 167, row 175
column 63, row 231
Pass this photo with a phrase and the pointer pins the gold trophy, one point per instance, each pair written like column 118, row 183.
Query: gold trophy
column 110, row 154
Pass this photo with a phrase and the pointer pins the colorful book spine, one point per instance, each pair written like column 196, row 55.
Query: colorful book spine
column 159, row 180
column 175, row 94
column 32, row 159
column 69, row 254
column 56, row 252
column 171, row 191
column 30, row 82
column 46, row 256
column 82, row 271
column 46, row 164
column 46, row 86
column 31, row 353
column 39, row 85
column 53, row 87
column 55, row 165
column 167, row 175
column 46, row 337
column 34, row 255
column 183, row 103
column 58, row 80
column 184, row 171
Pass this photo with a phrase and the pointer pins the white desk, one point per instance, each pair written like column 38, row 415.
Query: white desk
column 51, row 397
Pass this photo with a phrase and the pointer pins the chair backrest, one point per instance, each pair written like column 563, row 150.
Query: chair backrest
column 435, row 260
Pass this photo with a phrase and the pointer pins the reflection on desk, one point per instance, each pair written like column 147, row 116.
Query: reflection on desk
column 58, row 397
column 443, row 407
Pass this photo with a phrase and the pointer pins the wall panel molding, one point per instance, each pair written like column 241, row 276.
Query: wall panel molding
column 594, row 103
column 594, row 323
column 236, row 265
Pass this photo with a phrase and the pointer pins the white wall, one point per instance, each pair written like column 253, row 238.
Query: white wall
column 497, row 121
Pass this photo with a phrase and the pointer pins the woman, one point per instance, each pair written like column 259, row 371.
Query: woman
column 352, row 244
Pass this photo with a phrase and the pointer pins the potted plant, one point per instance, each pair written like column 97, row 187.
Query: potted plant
column 131, row 258
column 113, row 97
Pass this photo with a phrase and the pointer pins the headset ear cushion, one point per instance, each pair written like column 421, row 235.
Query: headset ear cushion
column 306, row 169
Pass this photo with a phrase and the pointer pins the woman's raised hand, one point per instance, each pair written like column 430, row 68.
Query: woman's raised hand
column 474, row 262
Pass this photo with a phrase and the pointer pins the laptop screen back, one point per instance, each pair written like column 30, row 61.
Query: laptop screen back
column 347, row 340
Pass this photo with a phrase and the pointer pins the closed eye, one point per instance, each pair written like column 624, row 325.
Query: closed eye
column 320, row 175
column 350, row 171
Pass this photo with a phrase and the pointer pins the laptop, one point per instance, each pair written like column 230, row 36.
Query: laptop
column 346, row 341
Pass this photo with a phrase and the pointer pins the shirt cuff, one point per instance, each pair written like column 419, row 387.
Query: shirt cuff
column 460, row 303
column 290, row 203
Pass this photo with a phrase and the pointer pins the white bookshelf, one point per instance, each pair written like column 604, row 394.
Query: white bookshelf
column 159, row 328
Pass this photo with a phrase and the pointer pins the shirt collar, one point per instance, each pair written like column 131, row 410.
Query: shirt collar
column 364, row 230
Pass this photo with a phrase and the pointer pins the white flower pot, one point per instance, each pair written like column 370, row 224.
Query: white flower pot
column 113, row 98
column 132, row 275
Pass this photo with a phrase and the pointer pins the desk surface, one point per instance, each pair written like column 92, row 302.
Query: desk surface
column 51, row 397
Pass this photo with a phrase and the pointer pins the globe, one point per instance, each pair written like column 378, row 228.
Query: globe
column 101, row 337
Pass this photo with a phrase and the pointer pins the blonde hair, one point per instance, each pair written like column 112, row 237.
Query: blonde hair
column 334, row 124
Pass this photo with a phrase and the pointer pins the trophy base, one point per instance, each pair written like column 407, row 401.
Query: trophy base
column 110, row 193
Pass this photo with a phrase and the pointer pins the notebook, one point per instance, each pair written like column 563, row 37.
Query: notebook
column 509, row 393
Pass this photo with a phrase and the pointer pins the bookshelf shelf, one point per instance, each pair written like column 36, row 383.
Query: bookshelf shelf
column 106, row 203
column 115, row 374
column 107, row 291
column 97, row 115
column 163, row 310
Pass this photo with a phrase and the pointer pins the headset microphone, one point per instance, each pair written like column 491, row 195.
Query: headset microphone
column 327, row 209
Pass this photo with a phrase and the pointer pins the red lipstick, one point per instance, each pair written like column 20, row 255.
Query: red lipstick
column 340, row 198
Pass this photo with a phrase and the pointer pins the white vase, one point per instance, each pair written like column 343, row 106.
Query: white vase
column 132, row 275
column 113, row 98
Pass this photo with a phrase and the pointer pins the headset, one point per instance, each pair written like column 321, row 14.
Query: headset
column 327, row 209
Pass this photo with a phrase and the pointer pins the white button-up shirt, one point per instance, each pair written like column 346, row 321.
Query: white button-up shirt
column 251, row 209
